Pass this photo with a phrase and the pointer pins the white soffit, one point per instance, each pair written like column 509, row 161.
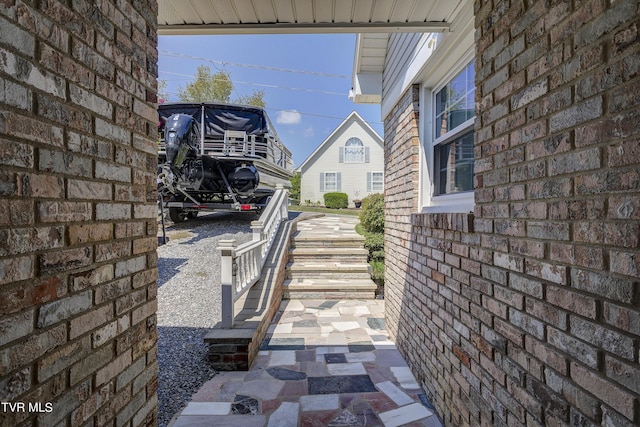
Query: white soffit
column 303, row 16
column 371, row 46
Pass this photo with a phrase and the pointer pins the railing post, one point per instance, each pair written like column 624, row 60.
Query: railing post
column 258, row 230
column 227, row 281
column 284, row 209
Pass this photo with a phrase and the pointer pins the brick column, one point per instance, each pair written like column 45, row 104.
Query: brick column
column 526, row 313
column 78, row 212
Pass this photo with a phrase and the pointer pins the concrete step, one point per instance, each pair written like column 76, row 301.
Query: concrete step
column 324, row 253
column 329, row 289
column 333, row 270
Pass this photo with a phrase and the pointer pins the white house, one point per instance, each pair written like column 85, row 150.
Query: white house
column 350, row 160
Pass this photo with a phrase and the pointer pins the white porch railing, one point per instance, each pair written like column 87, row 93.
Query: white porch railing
column 241, row 265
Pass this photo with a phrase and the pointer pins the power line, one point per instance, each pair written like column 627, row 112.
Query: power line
column 259, row 67
column 268, row 86
column 289, row 110
column 314, row 115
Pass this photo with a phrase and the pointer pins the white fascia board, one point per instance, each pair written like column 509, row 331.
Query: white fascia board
column 367, row 88
column 165, row 29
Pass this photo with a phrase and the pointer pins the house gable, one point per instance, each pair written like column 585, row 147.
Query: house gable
column 354, row 119
column 327, row 169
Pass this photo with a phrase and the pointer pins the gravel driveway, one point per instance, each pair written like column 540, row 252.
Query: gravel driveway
column 189, row 303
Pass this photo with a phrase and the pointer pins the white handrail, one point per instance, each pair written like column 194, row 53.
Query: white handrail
column 241, row 266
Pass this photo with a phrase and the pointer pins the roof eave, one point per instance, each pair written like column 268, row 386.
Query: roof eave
column 165, row 29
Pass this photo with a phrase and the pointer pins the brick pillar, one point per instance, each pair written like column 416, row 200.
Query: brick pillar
column 558, row 202
column 526, row 312
column 78, row 213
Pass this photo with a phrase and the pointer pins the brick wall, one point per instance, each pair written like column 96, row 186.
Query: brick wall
column 401, row 183
column 526, row 312
column 77, row 215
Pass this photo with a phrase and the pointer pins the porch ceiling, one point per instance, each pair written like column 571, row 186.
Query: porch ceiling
column 303, row 16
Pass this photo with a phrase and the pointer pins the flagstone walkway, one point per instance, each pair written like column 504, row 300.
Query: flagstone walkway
column 323, row 363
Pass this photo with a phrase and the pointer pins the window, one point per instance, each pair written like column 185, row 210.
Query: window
column 354, row 151
column 454, row 165
column 375, row 182
column 453, row 134
column 330, row 181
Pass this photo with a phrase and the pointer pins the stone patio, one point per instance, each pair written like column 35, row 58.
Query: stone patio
column 323, row 363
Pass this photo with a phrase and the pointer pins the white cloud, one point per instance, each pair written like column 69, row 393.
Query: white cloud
column 290, row 117
column 308, row 132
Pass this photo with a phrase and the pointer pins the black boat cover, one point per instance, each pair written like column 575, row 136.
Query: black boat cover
column 219, row 117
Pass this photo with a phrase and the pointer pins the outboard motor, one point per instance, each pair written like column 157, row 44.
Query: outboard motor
column 244, row 179
column 181, row 139
column 181, row 143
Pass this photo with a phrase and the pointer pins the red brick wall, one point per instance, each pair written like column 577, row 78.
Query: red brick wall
column 527, row 311
column 77, row 215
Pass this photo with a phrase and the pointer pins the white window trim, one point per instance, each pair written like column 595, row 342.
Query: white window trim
column 381, row 181
column 460, row 130
column 355, row 157
column 324, row 183
column 463, row 202
column 348, row 157
column 444, row 199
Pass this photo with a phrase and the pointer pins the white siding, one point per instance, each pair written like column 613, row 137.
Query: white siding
column 353, row 175
column 411, row 57
column 400, row 53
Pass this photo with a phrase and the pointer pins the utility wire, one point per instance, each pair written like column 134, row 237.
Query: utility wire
column 314, row 115
column 289, row 110
column 267, row 85
column 259, row 67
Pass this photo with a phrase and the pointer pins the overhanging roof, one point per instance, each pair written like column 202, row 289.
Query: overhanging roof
column 302, row 16
column 371, row 51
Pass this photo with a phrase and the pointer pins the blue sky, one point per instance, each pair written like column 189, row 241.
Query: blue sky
column 305, row 107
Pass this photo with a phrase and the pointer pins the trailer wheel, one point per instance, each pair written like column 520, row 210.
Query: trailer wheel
column 192, row 214
column 177, row 215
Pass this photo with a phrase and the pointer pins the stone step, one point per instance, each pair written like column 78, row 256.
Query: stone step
column 323, row 254
column 334, row 270
column 329, row 289
column 355, row 241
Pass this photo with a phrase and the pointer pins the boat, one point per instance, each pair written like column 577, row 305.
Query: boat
column 218, row 157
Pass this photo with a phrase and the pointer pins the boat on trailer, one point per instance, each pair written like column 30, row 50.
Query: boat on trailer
column 218, row 157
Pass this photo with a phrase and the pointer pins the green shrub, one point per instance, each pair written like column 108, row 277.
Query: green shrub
column 372, row 213
column 374, row 242
column 294, row 191
column 377, row 273
column 336, row 200
column 372, row 228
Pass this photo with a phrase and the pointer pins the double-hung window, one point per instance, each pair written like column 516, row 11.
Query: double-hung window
column 453, row 139
column 330, row 181
column 375, row 182
column 453, row 115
